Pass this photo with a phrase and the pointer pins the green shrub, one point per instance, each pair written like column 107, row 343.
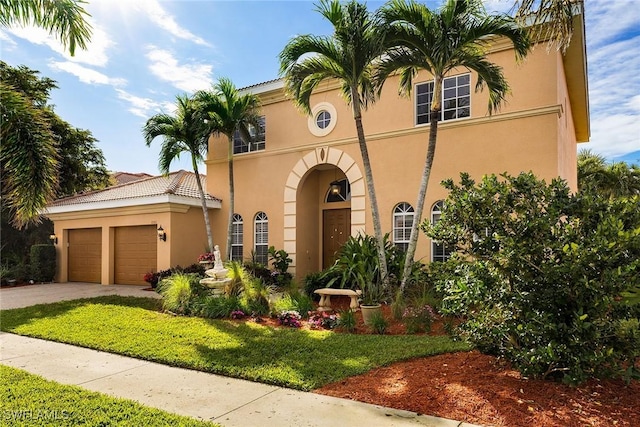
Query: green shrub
column 539, row 274
column 319, row 280
column 347, row 321
column 378, row 323
column 43, row 263
column 218, row 307
column 255, row 297
column 179, row 292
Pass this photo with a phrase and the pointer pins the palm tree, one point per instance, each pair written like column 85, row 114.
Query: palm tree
column 28, row 154
column 65, row 18
column 456, row 36
column 346, row 56
column 228, row 111
column 611, row 180
column 183, row 133
column 550, row 19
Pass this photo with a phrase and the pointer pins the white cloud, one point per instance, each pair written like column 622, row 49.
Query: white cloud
column 7, row 42
column 156, row 13
column 186, row 77
column 606, row 20
column 142, row 107
column 86, row 75
column 95, row 54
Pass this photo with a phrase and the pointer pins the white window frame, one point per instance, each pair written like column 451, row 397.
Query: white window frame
column 261, row 237
column 458, row 88
column 237, row 238
column 250, row 147
column 444, row 253
column 403, row 217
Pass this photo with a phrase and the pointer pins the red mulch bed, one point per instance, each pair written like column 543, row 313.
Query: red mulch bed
column 481, row 389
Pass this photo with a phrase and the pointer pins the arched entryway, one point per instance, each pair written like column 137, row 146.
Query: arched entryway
column 305, row 204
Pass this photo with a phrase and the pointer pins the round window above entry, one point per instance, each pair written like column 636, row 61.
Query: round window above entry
column 323, row 119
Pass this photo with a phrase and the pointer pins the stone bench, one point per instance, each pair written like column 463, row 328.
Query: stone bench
column 325, row 297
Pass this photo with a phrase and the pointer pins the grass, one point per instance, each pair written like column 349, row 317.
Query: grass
column 292, row 358
column 27, row 399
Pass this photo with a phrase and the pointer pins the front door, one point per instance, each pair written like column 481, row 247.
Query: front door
column 336, row 229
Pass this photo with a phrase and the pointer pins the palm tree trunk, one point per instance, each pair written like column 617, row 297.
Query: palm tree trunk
column 231, row 198
column 205, row 211
column 368, row 174
column 424, row 182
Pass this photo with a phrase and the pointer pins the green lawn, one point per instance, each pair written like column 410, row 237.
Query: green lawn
column 289, row 357
column 30, row 400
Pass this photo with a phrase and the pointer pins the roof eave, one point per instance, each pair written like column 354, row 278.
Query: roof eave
column 137, row 201
column 575, row 65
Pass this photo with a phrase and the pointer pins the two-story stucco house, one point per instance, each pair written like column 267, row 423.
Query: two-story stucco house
column 300, row 187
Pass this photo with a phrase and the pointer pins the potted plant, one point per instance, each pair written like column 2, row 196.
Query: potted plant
column 371, row 291
column 357, row 268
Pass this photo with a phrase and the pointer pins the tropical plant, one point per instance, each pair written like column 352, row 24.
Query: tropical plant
column 550, row 20
column 457, row 36
column 378, row 323
column 179, row 291
column 227, row 111
column 347, row 321
column 183, row 132
column 346, row 56
column 611, row 180
column 42, row 157
column 64, row 18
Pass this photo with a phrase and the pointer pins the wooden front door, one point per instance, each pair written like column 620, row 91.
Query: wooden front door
column 336, row 229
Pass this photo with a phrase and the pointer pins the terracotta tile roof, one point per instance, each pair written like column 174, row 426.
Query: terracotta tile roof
column 126, row 177
column 181, row 183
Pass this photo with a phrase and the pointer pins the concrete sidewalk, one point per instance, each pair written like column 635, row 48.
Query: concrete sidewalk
column 227, row 401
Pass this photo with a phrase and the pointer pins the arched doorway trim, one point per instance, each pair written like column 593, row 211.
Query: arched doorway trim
column 319, row 156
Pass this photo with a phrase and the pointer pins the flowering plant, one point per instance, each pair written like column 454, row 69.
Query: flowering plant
column 323, row 320
column 237, row 314
column 290, row 318
column 207, row 256
column 418, row 319
column 151, row 278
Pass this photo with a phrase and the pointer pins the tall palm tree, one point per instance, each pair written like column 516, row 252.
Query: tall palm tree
column 456, row 36
column 183, row 133
column 228, row 111
column 64, row 18
column 346, row 56
column 28, row 153
column 611, row 180
column 550, row 19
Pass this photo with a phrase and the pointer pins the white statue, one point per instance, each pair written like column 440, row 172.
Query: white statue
column 217, row 264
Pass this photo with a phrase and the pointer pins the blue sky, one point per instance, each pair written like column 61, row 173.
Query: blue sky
column 145, row 52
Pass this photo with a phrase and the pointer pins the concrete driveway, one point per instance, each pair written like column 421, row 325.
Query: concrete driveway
column 24, row 296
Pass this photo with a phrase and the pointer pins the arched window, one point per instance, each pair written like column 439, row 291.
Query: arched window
column 261, row 238
column 237, row 238
column 439, row 252
column 339, row 191
column 403, row 215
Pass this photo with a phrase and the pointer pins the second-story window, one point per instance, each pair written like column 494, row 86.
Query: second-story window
column 257, row 135
column 456, row 99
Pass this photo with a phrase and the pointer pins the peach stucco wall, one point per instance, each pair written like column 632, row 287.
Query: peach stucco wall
column 533, row 131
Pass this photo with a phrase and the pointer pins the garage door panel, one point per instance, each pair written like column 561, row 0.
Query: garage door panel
column 135, row 254
column 85, row 255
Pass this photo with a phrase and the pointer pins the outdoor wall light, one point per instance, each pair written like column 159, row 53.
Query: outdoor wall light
column 54, row 239
column 335, row 188
column 161, row 234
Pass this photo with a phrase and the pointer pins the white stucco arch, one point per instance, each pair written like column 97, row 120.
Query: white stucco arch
column 319, row 156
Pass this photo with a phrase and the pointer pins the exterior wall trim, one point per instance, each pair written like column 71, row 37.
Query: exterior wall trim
column 319, row 156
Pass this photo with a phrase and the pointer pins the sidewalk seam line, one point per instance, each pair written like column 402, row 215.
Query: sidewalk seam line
column 245, row 404
column 115, row 373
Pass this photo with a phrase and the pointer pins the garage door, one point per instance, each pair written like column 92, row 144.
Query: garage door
column 135, row 253
column 85, row 255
